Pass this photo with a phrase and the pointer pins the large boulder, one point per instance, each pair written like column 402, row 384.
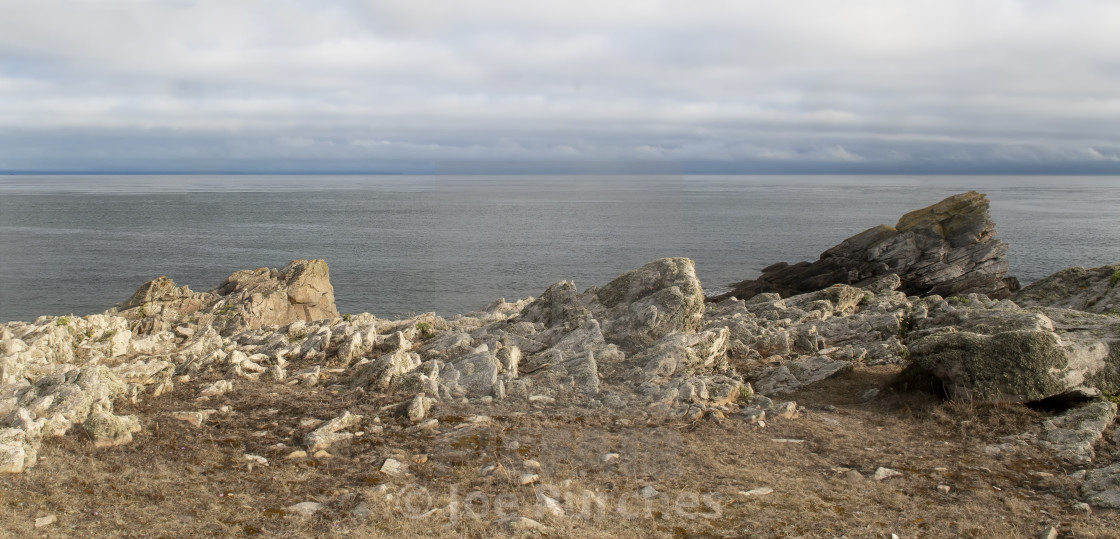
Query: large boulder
column 640, row 307
column 248, row 299
column 1096, row 290
column 948, row 248
column 998, row 352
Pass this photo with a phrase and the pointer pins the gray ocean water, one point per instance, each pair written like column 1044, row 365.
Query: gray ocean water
column 451, row 244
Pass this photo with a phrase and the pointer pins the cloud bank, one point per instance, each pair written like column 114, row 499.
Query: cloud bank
column 441, row 86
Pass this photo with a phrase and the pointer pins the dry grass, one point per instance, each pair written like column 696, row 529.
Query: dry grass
column 179, row 481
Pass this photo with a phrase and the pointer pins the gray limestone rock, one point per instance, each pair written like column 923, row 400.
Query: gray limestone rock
column 1094, row 290
column 947, row 248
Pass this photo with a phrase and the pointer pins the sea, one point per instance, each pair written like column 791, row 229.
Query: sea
column 400, row 244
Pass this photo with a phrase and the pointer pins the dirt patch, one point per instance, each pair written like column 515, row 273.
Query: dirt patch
column 671, row 477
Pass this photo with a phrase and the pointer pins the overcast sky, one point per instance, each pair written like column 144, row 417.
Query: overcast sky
column 477, row 85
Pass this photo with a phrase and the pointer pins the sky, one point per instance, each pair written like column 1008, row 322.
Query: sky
column 430, row 86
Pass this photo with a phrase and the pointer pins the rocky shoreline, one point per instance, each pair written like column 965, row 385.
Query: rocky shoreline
column 928, row 297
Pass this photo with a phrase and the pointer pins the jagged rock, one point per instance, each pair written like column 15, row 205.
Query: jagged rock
column 17, row 452
column 1095, row 290
column 418, row 408
column 990, row 353
column 1072, row 434
column 651, row 302
column 948, row 248
column 248, row 299
column 328, row 434
column 791, row 375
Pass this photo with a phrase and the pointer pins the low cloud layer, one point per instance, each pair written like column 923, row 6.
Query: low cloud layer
column 432, row 86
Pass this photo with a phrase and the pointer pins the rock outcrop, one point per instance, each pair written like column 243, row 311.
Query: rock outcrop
column 1095, row 290
column 248, row 299
column 646, row 341
column 949, row 248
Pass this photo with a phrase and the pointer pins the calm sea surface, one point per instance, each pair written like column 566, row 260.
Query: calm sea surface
column 450, row 244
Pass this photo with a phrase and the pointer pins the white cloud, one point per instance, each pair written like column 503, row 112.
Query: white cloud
column 864, row 81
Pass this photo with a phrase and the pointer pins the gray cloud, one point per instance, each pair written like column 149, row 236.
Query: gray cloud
column 723, row 86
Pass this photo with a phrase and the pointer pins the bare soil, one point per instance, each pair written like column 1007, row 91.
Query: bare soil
column 176, row 480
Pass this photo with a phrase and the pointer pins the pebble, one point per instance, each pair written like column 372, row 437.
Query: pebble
column 322, row 454
column 305, row 509
column 760, row 491
column 45, row 521
column 944, row 488
column 648, row 492
column 1048, row 533
column 256, row 459
column 528, row 479
column 610, row 458
column 1082, row 508
column 297, row 454
column 885, row 473
column 520, row 524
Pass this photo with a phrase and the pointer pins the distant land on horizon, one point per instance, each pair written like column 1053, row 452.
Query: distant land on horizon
column 637, row 168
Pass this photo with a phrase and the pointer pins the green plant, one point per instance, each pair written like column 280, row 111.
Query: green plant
column 1115, row 399
column 960, row 299
column 1112, row 281
column 347, row 317
column 866, row 298
column 62, row 321
column 425, row 328
column 143, row 311
column 107, row 335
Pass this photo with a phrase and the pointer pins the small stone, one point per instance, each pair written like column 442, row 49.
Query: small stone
column 1081, row 508
column 551, row 505
column 194, row 418
column 520, row 524
column 760, row 491
column 531, row 465
column 490, row 469
column 305, row 509
column 45, row 521
column 944, row 488
column 298, row 454
column 392, row 467
column 853, row 475
column 787, row 441
column 648, row 492
column 869, row 394
column 1048, row 533
column 420, row 459
column 610, row 458
column 885, row 473
column 785, row 410
column 322, row 454
column 256, row 459
column 528, row 479
column 361, row 511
